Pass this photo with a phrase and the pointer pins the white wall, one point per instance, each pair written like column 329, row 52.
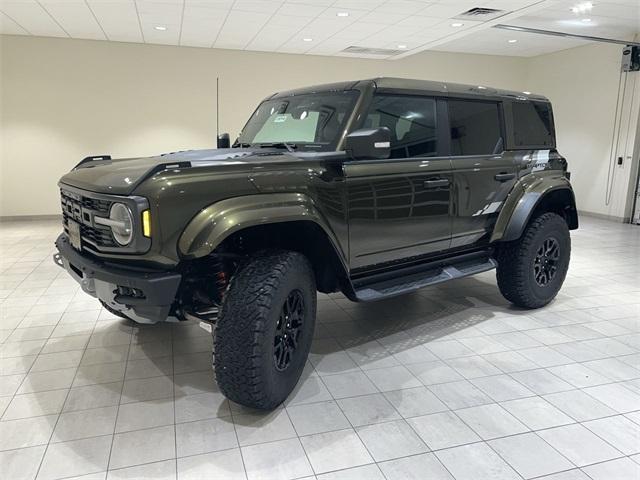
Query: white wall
column 62, row 100
column 66, row 99
column 582, row 84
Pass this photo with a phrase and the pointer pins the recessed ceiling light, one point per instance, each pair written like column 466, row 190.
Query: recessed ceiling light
column 161, row 28
column 513, row 40
column 307, row 39
column 402, row 47
column 457, row 24
column 586, row 20
column 582, row 7
column 342, row 14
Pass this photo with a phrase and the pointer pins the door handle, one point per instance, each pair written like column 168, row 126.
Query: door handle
column 503, row 177
column 435, row 183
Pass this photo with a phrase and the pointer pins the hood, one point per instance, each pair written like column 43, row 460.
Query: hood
column 122, row 176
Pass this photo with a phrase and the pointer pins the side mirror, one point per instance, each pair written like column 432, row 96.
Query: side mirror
column 224, row 141
column 369, row 143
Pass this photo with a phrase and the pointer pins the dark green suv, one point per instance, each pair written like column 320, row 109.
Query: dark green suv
column 372, row 188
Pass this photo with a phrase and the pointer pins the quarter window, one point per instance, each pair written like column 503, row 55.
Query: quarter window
column 475, row 128
column 532, row 124
column 411, row 120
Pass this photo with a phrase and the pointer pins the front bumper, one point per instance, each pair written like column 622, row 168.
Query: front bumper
column 143, row 296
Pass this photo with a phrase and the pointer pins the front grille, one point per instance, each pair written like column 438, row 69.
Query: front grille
column 81, row 209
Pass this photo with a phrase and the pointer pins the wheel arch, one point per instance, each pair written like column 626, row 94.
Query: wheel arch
column 531, row 196
column 268, row 221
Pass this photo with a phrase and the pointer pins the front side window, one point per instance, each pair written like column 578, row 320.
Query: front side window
column 308, row 121
column 411, row 120
column 475, row 128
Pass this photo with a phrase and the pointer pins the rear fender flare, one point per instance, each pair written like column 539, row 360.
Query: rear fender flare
column 523, row 200
column 213, row 224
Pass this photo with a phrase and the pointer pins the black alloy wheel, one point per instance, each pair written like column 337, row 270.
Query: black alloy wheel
column 545, row 263
column 288, row 330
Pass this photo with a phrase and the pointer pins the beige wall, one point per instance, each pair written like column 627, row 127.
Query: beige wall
column 65, row 99
column 582, row 83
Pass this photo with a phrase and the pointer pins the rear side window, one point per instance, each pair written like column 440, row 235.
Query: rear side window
column 475, row 127
column 411, row 120
column 532, row 124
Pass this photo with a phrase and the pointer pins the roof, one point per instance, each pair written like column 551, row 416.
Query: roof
column 412, row 85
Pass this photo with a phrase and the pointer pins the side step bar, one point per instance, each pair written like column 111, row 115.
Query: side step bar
column 430, row 275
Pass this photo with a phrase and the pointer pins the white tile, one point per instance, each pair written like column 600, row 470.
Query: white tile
column 529, row 455
column 132, row 448
column 536, row 413
column 417, row 467
column 579, row 405
column 368, row 409
column 317, row 418
column 414, row 402
column 443, row 430
column 471, row 462
column 226, row 464
column 259, row 460
column 460, row 394
column 622, row 469
column 389, row 440
column 157, row 471
column 335, row 451
column 77, row 457
column 203, row 436
column 491, row 421
column 618, row 431
column 139, row 415
column 579, row 445
column 26, row 432
column 349, row 384
column 85, row 423
column 35, row 404
column 21, row 464
column 263, row 427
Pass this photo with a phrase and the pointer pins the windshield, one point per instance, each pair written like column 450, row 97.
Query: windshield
column 310, row 121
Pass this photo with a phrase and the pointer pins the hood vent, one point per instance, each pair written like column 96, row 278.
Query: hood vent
column 481, row 14
column 382, row 52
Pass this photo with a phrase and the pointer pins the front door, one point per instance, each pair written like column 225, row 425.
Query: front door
column 400, row 207
column 483, row 173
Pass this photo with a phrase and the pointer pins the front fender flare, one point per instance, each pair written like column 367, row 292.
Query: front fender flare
column 217, row 221
column 523, row 200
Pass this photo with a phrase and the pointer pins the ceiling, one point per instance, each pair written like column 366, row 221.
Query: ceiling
column 325, row 27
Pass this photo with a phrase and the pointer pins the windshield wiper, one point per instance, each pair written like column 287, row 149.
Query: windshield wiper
column 289, row 146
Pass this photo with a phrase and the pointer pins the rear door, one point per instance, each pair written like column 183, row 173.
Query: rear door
column 483, row 175
column 400, row 207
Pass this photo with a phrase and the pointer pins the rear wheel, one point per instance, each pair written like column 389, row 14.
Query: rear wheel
column 265, row 328
column 531, row 270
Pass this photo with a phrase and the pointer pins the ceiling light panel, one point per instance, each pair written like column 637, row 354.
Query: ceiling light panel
column 118, row 21
column 33, row 18
column 75, row 18
column 9, row 27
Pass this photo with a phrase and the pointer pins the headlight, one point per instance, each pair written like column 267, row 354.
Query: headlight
column 121, row 223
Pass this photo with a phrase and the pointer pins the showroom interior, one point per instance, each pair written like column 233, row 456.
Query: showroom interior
column 453, row 381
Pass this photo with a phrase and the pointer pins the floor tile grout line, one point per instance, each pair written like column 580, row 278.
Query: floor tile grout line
column 115, row 423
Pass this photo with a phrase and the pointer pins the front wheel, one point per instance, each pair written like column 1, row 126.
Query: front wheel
column 531, row 270
column 265, row 328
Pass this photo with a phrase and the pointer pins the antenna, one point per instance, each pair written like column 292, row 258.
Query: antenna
column 217, row 107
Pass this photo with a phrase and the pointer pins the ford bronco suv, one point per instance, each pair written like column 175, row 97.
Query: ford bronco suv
column 372, row 188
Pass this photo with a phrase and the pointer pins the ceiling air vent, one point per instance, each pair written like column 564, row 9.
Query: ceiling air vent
column 481, row 14
column 386, row 52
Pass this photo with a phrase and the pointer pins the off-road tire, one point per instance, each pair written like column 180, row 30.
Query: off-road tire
column 515, row 272
column 113, row 311
column 245, row 331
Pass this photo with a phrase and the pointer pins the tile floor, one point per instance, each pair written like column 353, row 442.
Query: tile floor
column 447, row 383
